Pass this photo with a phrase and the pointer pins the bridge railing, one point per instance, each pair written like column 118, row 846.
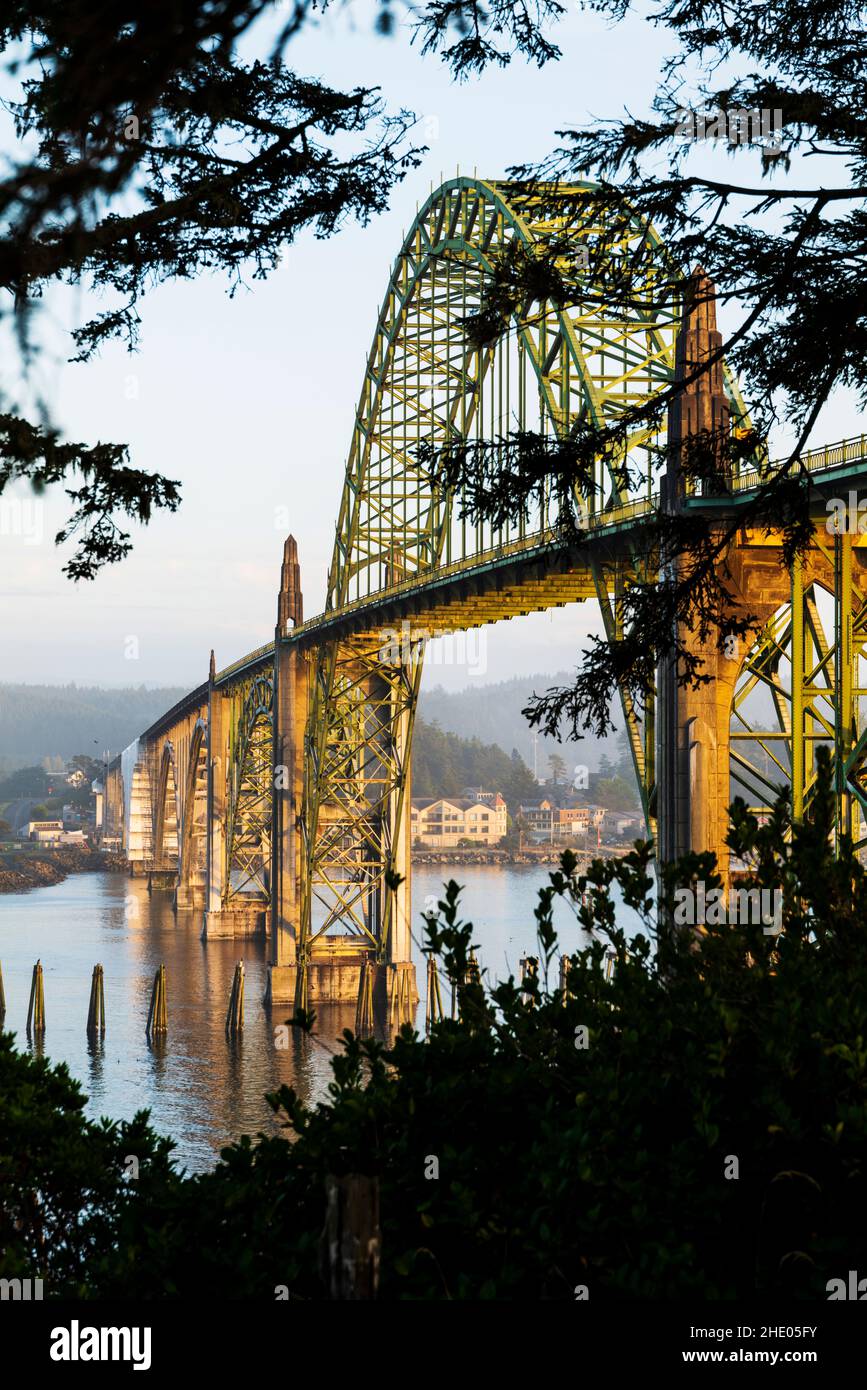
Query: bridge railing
column 195, row 697
column 814, row 460
column 536, row 540
column 258, row 655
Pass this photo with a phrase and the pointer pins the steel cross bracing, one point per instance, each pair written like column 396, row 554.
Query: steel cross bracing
column 356, row 751
column 803, row 684
column 250, row 793
column 399, row 536
column 425, row 382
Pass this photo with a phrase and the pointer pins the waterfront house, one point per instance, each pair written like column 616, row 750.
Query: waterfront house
column 446, row 822
column 538, row 819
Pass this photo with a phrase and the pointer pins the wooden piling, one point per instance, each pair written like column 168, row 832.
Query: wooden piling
column 349, row 1252
column 158, row 1020
column 235, row 1014
column 302, row 986
column 364, row 1007
column 472, row 976
column 565, row 967
column 400, row 1006
column 2, row 998
column 96, row 1010
column 36, row 1008
column 434, row 1011
column 529, row 973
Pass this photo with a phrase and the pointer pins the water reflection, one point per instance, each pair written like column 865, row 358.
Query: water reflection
column 202, row 1087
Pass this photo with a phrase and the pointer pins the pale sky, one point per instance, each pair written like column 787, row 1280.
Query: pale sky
column 250, row 401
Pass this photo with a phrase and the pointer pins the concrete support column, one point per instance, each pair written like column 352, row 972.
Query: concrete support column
column 191, row 746
column 693, row 761
column 400, row 980
column 217, row 922
column 693, row 737
column 290, row 720
column 112, row 828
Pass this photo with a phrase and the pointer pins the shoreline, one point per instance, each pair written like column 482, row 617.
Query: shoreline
column 544, row 854
column 20, row 870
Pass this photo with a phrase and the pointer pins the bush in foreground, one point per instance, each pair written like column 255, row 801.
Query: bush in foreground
column 690, row 1124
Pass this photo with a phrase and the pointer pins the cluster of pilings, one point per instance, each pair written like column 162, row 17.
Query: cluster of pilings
column 158, row 1015
column 386, row 996
column 376, row 1004
column 36, row 1006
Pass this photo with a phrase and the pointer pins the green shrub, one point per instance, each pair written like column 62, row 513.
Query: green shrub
column 561, row 1165
column 63, row 1178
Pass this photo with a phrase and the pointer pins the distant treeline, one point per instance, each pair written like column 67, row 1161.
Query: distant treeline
column 476, row 737
column 492, row 713
column 444, row 763
column 39, row 722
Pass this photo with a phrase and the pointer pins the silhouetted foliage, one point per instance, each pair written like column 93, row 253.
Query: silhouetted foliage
column 783, row 242
column 148, row 149
column 560, row 1164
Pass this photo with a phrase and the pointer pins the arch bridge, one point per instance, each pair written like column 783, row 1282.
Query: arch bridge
column 276, row 796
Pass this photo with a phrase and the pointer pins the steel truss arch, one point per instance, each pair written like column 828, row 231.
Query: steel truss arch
column 194, row 829
column 250, row 787
column 426, row 382
column 802, row 685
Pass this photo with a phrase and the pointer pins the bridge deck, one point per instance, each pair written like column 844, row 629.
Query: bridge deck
column 498, row 583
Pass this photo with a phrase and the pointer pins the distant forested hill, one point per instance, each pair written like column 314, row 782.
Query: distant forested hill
column 444, row 763
column 492, row 713
column 474, row 737
column 40, row 722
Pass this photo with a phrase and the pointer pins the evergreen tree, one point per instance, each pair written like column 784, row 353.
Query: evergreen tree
column 148, row 148
column 783, row 242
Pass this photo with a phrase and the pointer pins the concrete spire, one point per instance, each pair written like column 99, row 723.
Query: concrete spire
column 212, row 669
column 702, row 407
column 290, row 604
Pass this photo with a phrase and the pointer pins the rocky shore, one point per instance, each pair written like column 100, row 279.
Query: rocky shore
column 541, row 854
column 21, row 870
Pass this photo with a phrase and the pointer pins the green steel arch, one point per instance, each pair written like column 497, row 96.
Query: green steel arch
column 249, row 793
column 425, row 381
column 555, row 366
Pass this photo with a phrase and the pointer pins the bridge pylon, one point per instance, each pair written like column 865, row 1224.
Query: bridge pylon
column 693, row 724
column 291, row 677
column 342, row 877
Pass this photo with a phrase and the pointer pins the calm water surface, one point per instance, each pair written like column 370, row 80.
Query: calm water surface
column 202, row 1089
